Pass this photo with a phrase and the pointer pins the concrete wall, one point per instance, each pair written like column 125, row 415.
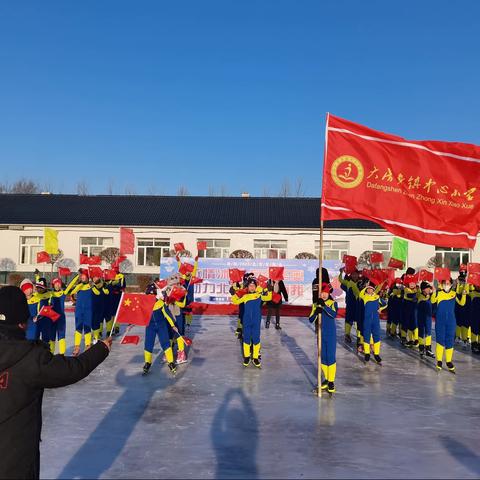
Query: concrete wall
column 297, row 241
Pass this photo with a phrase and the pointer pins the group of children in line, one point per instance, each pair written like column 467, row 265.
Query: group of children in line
column 410, row 306
column 96, row 302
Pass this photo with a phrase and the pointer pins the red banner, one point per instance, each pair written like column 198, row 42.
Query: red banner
column 424, row 191
column 127, row 241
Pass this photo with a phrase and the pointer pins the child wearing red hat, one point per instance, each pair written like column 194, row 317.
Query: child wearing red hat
column 59, row 327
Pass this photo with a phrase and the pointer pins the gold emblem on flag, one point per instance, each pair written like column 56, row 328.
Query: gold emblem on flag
column 347, row 171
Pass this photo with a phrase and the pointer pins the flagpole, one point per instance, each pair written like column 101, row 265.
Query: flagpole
column 319, row 318
column 116, row 315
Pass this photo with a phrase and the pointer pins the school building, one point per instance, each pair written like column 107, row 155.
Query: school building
column 265, row 227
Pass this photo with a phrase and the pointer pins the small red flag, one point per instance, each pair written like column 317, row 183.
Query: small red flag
column 474, row 279
column 201, row 246
column 395, row 263
column 350, row 263
column 235, row 275
column 49, row 312
column 177, row 293
column 64, row 271
column 186, row 268
column 127, row 241
column 473, row 268
column 109, row 274
column 376, row 257
column 262, row 281
column 116, row 264
column 161, row 284
column 276, row 273
column 410, row 279
column 196, row 280
column 93, row 260
column 179, row 247
column 136, row 308
column 96, row 272
column 130, row 340
column 442, row 274
column 425, row 276
column 43, row 257
column 241, row 292
column 276, row 297
column 366, row 273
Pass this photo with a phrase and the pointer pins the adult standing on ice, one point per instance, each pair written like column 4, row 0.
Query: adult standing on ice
column 26, row 369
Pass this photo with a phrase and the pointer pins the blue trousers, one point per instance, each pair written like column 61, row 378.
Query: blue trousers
column 445, row 331
column 44, row 328
column 32, row 330
column 424, row 325
column 83, row 320
column 329, row 341
column 251, row 330
column 371, row 327
column 157, row 328
column 59, row 328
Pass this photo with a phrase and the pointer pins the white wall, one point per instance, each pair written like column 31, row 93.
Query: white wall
column 297, row 241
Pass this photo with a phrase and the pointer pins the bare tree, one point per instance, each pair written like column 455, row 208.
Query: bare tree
column 364, row 260
column 305, row 256
column 183, row 254
column 67, row 263
column 266, row 192
column 182, row 191
column 25, row 186
column 299, row 188
column 152, row 189
column 435, row 262
column 285, row 190
column 110, row 255
column 82, row 188
column 110, row 187
column 223, row 191
column 7, row 265
column 130, row 190
column 211, row 191
column 126, row 266
column 241, row 254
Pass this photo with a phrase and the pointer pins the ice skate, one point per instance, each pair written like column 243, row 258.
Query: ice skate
column 429, row 353
column 267, row 324
column 439, row 365
column 173, row 368
column 257, row 363
column 181, row 357
column 451, row 367
column 146, row 368
column 421, row 350
column 366, row 358
column 324, row 385
column 348, row 339
column 246, row 361
column 377, row 359
column 331, row 388
column 277, row 326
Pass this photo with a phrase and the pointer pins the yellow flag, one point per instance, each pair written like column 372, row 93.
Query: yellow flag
column 51, row 241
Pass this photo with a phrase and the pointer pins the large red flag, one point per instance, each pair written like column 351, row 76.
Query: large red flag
column 426, row 191
column 127, row 241
column 136, row 308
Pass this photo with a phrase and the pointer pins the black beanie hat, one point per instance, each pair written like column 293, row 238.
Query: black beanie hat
column 13, row 306
column 424, row 285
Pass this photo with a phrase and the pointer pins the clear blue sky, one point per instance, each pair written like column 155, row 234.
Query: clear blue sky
column 155, row 94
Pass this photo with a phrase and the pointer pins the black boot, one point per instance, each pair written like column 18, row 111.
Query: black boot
column 367, row 357
column 439, row 365
column 421, row 349
column 267, row 324
column 324, row 385
column 246, row 361
column 331, row 387
column 378, row 359
column 257, row 363
column 451, row 367
column 146, row 368
column 277, row 326
column 173, row 368
column 428, row 352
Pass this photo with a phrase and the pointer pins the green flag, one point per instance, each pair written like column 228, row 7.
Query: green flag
column 400, row 249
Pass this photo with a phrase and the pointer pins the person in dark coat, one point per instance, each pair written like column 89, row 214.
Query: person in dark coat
column 325, row 279
column 26, row 369
column 273, row 306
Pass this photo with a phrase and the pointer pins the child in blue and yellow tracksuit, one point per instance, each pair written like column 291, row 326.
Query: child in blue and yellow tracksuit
column 360, row 314
column 175, row 308
column 57, row 302
column 44, row 324
column 424, row 319
column 84, row 292
column 350, row 287
column 474, row 313
column 372, row 304
column 33, row 301
column 160, row 320
column 462, row 312
column 190, row 287
column 328, row 308
column 252, row 319
column 409, row 329
column 117, row 287
column 394, row 309
column 98, row 307
column 444, row 299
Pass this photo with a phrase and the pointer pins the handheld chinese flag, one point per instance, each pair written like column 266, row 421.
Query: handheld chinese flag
column 425, row 276
column 177, row 293
column 186, row 268
column 474, row 279
column 109, row 274
column 51, row 240
column 130, row 340
column 95, row 272
column 350, row 263
column 241, row 292
column 235, row 275
column 135, row 308
column 407, row 279
column 196, row 280
column 49, row 312
column 426, row 191
column 201, row 246
column 473, row 268
column 127, row 241
column 161, row 283
column 395, row 263
column 376, row 257
column 64, row 271
column 262, row 281
column 276, row 273
column 43, row 257
column 366, row 273
column 276, row 297
column 93, row 260
column 442, row 274
column 179, row 247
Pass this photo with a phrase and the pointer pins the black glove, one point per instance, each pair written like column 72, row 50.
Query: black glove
column 321, row 302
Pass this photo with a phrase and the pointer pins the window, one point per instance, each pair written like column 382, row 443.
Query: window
column 216, row 248
column 451, row 257
column 151, row 250
column 385, row 248
column 270, row 248
column 29, row 247
column 332, row 249
column 94, row 245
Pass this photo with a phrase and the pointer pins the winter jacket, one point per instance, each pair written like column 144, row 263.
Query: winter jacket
column 26, row 369
column 278, row 288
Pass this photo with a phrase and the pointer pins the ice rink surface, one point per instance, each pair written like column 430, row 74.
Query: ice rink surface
column 217, row 419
